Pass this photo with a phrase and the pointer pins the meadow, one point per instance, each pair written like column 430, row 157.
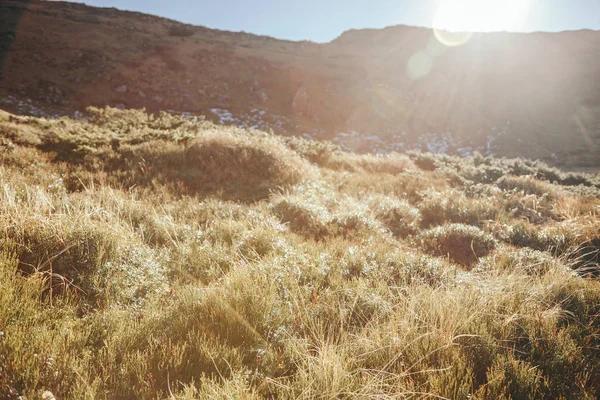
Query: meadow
column 163, row 257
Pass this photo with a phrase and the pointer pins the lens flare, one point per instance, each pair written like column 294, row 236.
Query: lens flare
column 452, row 39
column 456, row 19
column 419, row 65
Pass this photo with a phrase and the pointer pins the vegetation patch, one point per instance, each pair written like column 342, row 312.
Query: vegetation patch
column 462, row 244
column 160, row 256
column 438, row 208
column 396, row 215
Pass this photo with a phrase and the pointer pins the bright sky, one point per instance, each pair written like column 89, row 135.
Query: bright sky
column 324, row 20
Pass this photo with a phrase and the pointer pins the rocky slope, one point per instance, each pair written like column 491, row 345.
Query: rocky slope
column 533, row 95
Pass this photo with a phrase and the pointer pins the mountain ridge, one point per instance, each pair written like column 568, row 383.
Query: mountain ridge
column 509, row 94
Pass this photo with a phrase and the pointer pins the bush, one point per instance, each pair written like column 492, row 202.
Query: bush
column 397, row 215
column 390, row 164
column 462, row 244
column 585, row 257
column 425, row 161
column 137, row 273
column 524, row 261
column 318, row 152
column 483, row 173
column 233, row 165
column 528, row 185
column 253, row 165
column 305, row 219
column 70, row 255
column 92, row 261
column 37, row 337
column 453, row 206
column 557, row 239
column 510, row 378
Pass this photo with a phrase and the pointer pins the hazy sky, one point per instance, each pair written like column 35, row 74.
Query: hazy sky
column 323, row 20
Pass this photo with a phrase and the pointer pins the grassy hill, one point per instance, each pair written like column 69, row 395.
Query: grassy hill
column 158, row 256
column 516, row 95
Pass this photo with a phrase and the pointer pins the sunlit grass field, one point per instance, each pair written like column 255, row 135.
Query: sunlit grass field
column 155, row 257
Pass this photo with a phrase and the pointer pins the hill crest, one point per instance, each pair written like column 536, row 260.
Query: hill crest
column 510, row 94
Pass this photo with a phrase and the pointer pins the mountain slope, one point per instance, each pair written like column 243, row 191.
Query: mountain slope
column 533, row 95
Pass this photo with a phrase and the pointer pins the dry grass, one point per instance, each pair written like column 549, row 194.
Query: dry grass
column 160, row 257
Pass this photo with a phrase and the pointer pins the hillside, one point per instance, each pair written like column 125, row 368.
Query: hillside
column 517, row 95
column 163, row 256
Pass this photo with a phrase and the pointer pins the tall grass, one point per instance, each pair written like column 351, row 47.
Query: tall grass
column 165, row 257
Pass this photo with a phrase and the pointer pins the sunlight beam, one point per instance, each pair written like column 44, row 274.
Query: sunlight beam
column 455, row 20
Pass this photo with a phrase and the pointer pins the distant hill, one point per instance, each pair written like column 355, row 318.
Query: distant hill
column 533, row 95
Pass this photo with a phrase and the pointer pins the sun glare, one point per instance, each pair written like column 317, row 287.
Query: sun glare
column 454, row 17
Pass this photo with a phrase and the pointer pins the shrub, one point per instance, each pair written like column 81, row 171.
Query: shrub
column 390, row 164
column 37, row 337
column 528, row 185
column 463, row 244
column 531, row 199
column 204, row 262
column 555, row 239
column 420, row 269
column 72, row 255
column 453, row 206
column 397, row 215
column 318, row 152
column 306, row 219
column 136, row 274
column 252, row 165
column 137, row 126
column 91, row 260
column 425, row 161
column 510, row 378
column 352, row 219
column 483, row 173
column 525, row 261
column 585, row 257
column 234, row 165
